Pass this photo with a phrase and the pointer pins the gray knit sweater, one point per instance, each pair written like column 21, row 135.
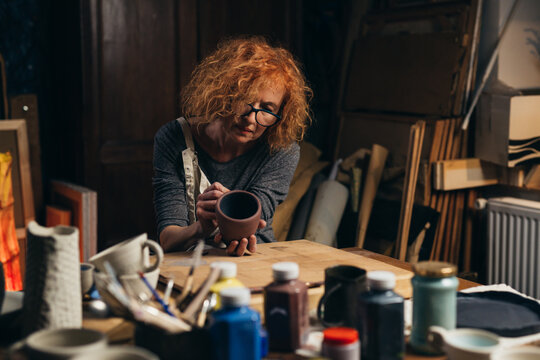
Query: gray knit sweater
column 266, row 175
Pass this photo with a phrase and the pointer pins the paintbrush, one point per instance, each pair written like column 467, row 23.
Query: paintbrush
column 195, row 261
column 195, row 304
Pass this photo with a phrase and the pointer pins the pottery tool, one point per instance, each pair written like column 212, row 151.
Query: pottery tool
column 168, row 290
column 195, row 260
column 156, row 295
column 202, row 292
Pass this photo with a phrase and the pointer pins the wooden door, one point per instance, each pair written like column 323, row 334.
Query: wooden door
column 136, row 57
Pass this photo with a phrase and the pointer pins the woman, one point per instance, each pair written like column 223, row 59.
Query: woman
column 246, row 107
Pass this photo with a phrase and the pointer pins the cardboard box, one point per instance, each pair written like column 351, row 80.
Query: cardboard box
column 508, row 129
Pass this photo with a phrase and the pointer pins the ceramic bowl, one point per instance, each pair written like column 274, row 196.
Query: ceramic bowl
column 238, row 213
column 119, row 353
column 64, row 343
column 517, row 353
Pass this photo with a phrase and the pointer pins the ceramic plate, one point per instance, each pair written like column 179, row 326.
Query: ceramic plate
column 501, row 312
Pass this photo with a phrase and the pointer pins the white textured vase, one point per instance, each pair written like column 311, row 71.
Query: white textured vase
column 52, row 289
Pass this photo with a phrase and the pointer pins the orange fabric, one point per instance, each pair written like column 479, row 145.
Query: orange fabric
column 9, row 245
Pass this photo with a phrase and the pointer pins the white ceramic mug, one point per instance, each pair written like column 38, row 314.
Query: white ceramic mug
column 464, row 344
column 60, row 344
column 128, row 257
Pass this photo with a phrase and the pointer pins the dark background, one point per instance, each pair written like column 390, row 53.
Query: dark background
column 109, row 73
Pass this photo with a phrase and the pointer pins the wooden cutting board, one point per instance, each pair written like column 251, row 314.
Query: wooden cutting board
column 255, row 270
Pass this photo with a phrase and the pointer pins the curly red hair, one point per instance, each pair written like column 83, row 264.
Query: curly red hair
column 235, row 72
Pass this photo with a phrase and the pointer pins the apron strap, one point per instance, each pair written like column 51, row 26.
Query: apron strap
column 196, row 180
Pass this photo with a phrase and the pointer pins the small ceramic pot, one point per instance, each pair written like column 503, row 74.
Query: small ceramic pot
column 238, row 213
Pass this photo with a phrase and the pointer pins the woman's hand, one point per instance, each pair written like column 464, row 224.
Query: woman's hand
column 206, row 206
column 239, row 247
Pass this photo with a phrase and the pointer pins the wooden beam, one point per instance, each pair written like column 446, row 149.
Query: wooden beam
column 464, row 174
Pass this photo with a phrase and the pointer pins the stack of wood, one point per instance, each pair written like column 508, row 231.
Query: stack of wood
column 414, row 65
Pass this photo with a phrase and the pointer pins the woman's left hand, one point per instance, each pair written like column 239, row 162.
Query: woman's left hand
column 239, row 247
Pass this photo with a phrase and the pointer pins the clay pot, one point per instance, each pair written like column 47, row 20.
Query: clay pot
column 238, row 213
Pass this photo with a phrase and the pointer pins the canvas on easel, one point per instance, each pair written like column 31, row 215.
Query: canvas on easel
column 82, row 202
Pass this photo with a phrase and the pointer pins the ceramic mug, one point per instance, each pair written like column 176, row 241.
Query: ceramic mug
column 60, row 343
column 128, row 257
column 464, row 343
column 338, row 305
column 119, row 353
column 238, row 213
column 87, row 277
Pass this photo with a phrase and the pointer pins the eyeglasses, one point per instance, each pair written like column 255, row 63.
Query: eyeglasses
column 263, row 117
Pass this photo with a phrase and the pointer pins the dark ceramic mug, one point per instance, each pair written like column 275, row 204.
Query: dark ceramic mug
column 342, row 284
column 238, row 213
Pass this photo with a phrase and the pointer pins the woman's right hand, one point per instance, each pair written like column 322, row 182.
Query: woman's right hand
column 206, row 206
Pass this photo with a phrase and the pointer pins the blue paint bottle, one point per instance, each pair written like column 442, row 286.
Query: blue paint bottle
column 235, row 329
column 381, row 318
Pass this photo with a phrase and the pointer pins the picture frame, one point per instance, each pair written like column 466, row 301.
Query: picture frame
column 14, row 138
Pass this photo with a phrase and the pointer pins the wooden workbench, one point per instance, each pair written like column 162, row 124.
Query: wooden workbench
column 254, row 271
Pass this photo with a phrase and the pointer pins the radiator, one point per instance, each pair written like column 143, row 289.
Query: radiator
column 513, row 232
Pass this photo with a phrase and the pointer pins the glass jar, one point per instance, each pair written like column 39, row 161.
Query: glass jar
column 434, row 301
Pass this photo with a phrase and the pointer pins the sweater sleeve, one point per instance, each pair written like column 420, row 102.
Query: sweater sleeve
column 272, row 185
column 169, row 181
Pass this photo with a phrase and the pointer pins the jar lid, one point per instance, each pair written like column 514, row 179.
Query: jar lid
column 239, row 296
column 340, row 335
column 228, row 268
column 381, row 280
column 434, row 269
column 285, row 270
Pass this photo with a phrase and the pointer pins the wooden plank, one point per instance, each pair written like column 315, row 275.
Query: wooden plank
column 463, row 174
column 13, row 138
column 433, row 156
column 255, row 270
column 471, row 199
column 411, row 177
column 3, row 89
column 422, row 81
column 83, row 205
column 449, row 226
column 371, row 183
column 26, row 106
column 458, row 237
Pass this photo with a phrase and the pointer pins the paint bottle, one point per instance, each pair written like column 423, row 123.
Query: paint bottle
column 286, row 310
column 434, row 301
column 235, row 329
column 340, row 343
column 227, row 279
column 381, row 318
